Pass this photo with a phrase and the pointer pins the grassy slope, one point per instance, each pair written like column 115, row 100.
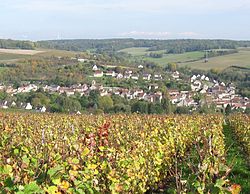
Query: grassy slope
column 167, row 58
column 193, row 59
column 242, row 59
column 10, row 57
column 177, row 58
column 241, row 172
column 135, row 51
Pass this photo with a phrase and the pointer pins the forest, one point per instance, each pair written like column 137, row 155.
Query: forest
column 100, row 45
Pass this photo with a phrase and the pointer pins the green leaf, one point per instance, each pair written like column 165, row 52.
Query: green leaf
column 220, row 183
column 32, row 188
column 25, row 159
column 16, row 151
column 54, row 171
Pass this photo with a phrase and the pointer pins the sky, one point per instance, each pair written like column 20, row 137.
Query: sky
column 150, row 19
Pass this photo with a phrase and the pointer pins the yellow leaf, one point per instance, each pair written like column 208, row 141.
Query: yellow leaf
column 85, row 152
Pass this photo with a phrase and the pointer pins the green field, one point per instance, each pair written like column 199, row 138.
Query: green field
column 139, row 51
column 195, row 59
column 10, row 57
column 177, row 58
column 167, row 58
column 241, row 59
column 58, row 53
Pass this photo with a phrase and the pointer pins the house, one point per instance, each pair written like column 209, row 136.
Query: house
column 110, row 74
column 196, row 85
column 176, row 75
column 53, row 88
column 135, row 77
column 119, row 76
column 81, row 60
column 95, row 68
column 153, row 87
column 157, row 77
column 193, row 78
column 13, row 104
column 4, row 105
column 129, row 71
column 28, row 106
column 127, row 75
column 98, row 73
column 43, row 109
column 28, row 88
column 146, row 76
column 140, row 66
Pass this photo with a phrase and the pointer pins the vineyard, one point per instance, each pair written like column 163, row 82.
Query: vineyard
column 52, row 153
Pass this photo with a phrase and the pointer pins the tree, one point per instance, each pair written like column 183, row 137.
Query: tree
column 121, row 108
column 3, row 95
column 155, row 108
column 93, row 97
column 140, row 106
column 167, row 105
column 182, row 110
column 71, row 105
column 84, row 101
column 172, row 66
column 105, row 103
column 228, row 109
column 247, row 111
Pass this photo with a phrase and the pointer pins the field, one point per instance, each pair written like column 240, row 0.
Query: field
column 10, row 57
column 195, row 60
column 135, row 51
column 20, row 51
column 167, row 58
column 241, row 59
column 177, row 58
column 13, row 55
column 113, row 154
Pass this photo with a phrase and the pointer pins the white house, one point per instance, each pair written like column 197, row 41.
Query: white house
column 135, row 77
column 43, row 109
column 193, row 78
column 140, row 66
column 157, row 77
column 176, row 75
column 28, row 106
column 82, row 60
column 95, row 68
column 110, row 74
column 119, row 76
column 146, row 76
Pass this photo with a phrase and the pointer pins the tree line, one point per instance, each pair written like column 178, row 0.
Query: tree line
column 170, row 46
column 16, row 44
column 102, row 45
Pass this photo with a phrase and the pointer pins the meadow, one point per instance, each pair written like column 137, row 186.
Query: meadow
column 195, row 59
column 240, row 59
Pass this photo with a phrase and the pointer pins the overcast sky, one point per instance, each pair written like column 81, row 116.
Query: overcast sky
column 159, row 19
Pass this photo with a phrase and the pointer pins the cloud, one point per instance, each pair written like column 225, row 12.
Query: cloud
column 141, row 34
column 188, row 34
column 159, row 35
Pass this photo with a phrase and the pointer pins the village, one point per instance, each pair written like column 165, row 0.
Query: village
column 204, row 91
